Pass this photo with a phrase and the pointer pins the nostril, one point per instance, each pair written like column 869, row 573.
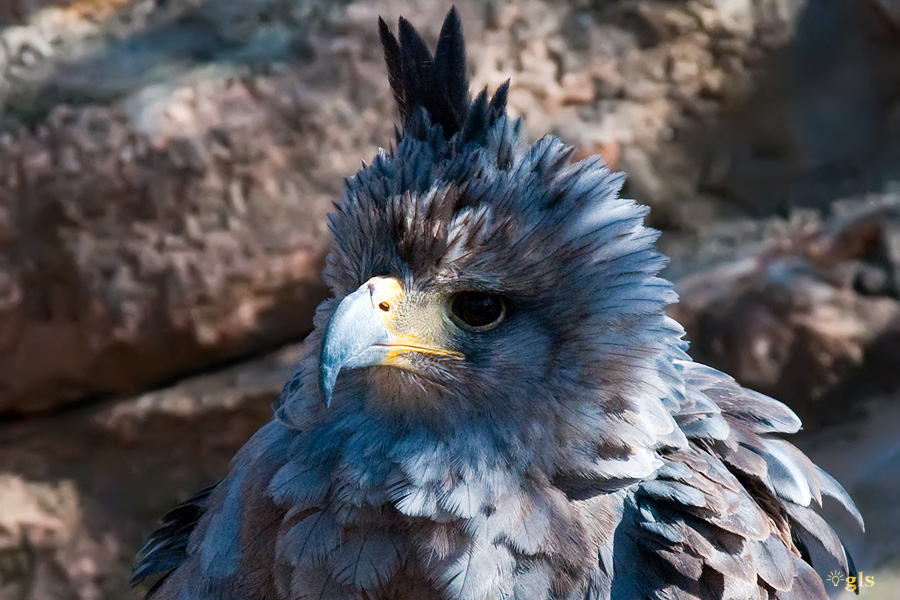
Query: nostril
column 384, row 306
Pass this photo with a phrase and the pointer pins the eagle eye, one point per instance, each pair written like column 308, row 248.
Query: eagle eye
column 479, row 310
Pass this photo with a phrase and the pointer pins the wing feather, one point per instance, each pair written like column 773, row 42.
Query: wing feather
column 166, row 548
column 733, row 514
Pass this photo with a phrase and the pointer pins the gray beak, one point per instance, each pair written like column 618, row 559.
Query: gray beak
column 356, row 337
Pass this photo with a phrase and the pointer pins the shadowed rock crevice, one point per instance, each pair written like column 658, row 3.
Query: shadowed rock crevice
column 810, row 315
column 820, row 124
column 80, row 488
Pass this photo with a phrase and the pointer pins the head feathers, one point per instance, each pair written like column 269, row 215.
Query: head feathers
column 437, row 84
column 464, row 197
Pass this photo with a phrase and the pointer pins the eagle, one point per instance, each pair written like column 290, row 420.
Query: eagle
column 494, row 403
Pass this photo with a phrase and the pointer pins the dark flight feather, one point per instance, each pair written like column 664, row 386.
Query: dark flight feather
column 450, row 65
column 395, row 69
column 166, row 548
column 417, row 67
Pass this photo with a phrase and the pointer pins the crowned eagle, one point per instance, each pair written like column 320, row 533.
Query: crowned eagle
column 494, row 404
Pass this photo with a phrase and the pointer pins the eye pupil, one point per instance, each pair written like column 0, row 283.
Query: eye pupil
column 384, row 306
column 478, row 309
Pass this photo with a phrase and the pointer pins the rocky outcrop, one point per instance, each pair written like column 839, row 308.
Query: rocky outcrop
column 79, row 491
column 811, row 315
column 178, row 226
column 125, row 262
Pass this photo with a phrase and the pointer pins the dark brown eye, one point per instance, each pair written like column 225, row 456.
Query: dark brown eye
column 478, row 309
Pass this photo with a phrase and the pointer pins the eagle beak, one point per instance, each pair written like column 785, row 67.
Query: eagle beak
column 363, row 332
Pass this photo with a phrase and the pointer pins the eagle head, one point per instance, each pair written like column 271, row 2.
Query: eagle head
column 475, row 273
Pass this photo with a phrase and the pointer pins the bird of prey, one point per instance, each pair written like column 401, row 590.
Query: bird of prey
column 494, row 404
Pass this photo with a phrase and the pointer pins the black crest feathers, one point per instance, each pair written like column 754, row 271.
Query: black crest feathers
column 437, row 83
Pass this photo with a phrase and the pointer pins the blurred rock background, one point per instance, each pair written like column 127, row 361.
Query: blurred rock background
column 166, row 165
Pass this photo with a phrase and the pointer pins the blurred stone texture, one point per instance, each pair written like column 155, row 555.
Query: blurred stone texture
column 809, row 314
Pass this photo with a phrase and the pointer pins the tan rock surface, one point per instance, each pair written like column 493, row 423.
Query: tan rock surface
column 79, row 491
column 811, row 316
column 179, row 228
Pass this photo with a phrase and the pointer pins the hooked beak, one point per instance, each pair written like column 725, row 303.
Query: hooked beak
column 362, row 332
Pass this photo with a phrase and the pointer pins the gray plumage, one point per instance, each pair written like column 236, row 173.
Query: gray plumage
column 569, row 449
